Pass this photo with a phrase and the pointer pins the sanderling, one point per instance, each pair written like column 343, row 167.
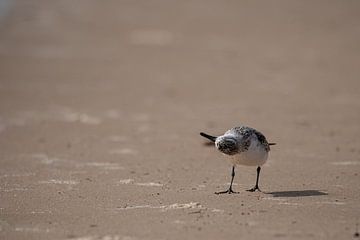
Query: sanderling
column 245, row 146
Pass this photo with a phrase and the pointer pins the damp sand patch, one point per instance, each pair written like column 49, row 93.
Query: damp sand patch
column 103, row 165
column 144, row 184
column 61, row 182
column 163, row 208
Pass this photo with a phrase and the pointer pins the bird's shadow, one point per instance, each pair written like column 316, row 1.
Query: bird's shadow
column 208, row 144
column 300, row 193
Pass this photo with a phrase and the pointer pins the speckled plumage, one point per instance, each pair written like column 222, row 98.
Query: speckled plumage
column 245, row 146
column 243, row 134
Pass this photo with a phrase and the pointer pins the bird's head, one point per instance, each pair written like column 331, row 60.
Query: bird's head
column 227, row 144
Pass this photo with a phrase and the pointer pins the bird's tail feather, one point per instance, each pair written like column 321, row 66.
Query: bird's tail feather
column 211, row 138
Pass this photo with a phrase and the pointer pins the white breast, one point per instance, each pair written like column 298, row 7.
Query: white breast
column 256, row 155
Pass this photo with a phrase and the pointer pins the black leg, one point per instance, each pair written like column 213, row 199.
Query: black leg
column 257, row 181
column 229, row 191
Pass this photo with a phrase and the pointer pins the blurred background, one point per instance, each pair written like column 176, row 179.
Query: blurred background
column 94, row 92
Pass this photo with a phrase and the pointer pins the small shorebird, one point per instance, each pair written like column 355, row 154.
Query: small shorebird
column 245, row 146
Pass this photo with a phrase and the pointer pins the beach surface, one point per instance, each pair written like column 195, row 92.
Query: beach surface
column 101, row 105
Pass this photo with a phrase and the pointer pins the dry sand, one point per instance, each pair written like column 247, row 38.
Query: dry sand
column 101, row 103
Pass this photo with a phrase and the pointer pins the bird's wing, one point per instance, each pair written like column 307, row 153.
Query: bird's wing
column 244, row 144
column 262, row 140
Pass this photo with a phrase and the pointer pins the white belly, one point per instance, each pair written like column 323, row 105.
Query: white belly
column 254, row 156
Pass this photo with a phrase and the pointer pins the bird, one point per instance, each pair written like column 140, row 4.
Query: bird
column 245, row 146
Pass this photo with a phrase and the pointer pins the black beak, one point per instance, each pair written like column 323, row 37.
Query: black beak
column 211, row 138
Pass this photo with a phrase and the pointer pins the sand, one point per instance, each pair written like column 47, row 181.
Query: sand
column 101, row 105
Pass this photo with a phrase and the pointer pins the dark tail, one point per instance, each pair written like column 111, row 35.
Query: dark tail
column 270, row 144
column 211, row 138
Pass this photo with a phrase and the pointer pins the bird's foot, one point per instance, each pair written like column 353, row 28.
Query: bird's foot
column 254, row 189
column 229, row 191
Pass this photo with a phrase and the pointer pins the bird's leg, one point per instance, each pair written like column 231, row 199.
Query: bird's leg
column 257, row 181
column 229, row 191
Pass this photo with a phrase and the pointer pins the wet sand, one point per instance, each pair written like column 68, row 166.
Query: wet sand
column 101, row 105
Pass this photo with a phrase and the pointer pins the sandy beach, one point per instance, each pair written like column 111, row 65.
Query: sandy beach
column 101, row 105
